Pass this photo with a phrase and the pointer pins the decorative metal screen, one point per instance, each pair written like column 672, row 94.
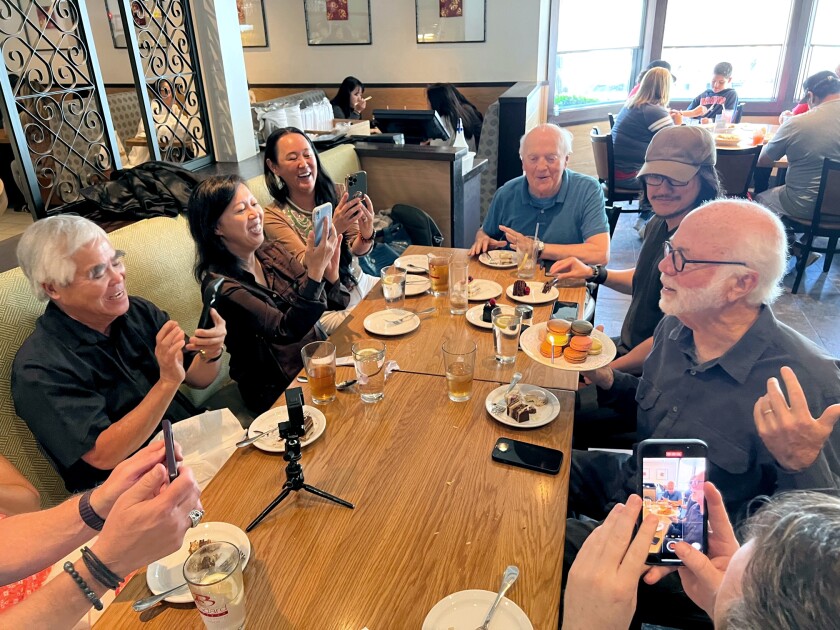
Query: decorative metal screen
column 164, row 57
column 54, row 100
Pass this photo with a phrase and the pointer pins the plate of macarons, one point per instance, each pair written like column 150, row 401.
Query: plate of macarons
column 568, row 345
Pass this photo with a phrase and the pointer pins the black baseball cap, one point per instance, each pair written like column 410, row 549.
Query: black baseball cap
column 661, row 63
column 814, row 81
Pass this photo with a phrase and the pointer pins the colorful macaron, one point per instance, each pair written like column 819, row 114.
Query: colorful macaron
column 559, row 325
column 582, row 344
column 596, row 348
column 575, row 356
column 581, row 327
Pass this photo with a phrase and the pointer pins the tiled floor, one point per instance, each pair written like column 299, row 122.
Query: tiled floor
column 13, row 223
column 809, row 311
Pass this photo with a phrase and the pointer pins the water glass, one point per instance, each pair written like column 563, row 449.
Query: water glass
column 459, row 359
column 459, row 286
column 214, row 576
column 439, row 273
column 393, row 287
column 505, row 335
column 526, row 258
column 369, row 360
column 319, row 363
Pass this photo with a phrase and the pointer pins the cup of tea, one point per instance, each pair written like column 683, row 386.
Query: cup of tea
column 439, row 273
column 319, row 363
column 459, row 360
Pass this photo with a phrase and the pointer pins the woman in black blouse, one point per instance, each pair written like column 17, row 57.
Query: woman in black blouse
column 349, row 102
column 270, row 301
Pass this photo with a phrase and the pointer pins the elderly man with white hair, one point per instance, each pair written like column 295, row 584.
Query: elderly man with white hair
column 717, row 351
column 568, row 206
column 101, row 369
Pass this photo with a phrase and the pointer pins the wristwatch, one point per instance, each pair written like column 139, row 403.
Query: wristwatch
column 596, row 269
column 540, row 247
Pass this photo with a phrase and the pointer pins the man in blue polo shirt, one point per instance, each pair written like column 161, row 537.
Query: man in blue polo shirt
column 568, row 206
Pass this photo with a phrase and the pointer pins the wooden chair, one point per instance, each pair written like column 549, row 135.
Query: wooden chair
column 826, row 221
column 736, row 115
column 735, row 168
column 602, row 149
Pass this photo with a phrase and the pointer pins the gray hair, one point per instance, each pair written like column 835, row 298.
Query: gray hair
column 46, row 249
column 792, row 579
column 564, row 139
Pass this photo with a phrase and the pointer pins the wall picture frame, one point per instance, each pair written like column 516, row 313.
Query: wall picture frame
column 252, row 26
column 337, row 22
column 112, row 8
column 451, row 21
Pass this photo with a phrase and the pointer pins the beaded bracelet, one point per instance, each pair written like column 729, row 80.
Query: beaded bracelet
column 78, row 579
column 97, row 568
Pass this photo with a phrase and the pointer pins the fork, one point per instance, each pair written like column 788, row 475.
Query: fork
column 511, row 573
column 395, row 322
column 500, row 405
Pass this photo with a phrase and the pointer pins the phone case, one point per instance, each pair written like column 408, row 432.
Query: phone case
column 530, row 456
column 318, row 214
column 211, row 292
column 356, row 185
column 169, row 445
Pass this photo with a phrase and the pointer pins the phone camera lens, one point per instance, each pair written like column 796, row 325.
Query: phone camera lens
column 503, row 446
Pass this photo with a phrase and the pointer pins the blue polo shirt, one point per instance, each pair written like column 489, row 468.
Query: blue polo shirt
column 573, row 215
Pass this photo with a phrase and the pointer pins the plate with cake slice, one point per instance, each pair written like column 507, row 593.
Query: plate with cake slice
column 526, row 407
column 532, row 292
column 316, row 422
column 498, row 259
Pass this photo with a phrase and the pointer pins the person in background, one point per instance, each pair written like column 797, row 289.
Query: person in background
column 637, row 123
column 712, row 102
column 102, row 368
column 568, row 206
column 749, row 587
column 802, row 106
column 298, row 184
column 139, row 517
column 656, row 63
column 453, row 106
column 270, row 299
column 349, row 102
column 671, row 493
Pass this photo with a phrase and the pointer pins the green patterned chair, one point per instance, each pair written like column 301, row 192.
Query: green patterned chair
column 159, row 261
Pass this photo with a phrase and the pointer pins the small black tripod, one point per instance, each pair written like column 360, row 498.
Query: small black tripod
column 291, row 431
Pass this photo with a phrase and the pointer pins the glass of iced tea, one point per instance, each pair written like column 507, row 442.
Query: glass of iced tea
column 319, row 363
column 459, row 359
column 459, row 286
column 393, row 287
column 369, row 360
column 439, row 273
column 506, row 335
column 214, row 575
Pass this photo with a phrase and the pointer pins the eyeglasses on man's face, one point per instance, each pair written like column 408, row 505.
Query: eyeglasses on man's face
column 679, row 261
column 658, row 180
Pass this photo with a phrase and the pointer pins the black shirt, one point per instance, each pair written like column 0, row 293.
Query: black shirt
column 70, row 383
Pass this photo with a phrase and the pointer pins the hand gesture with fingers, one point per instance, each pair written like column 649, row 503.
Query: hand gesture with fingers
column 347, row 212
column 571, row 268
column 209, row 342
column 792, row 435
column 169, row 346
column 484, row 243
column 601, row 591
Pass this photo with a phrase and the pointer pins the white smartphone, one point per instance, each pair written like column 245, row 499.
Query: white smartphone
column 323, row 211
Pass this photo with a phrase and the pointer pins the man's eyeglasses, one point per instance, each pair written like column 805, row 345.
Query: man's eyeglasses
column 658, row 180
column 679, row 260
column 117, row 262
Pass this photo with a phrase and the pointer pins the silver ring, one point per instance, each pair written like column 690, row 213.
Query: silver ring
column 766, row 411
column 195, row 517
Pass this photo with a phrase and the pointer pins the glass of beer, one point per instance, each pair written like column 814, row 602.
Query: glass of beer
column 459, row 359
column 439, row 273
column 459, row 286
column 505, row 335
column 369, row 360
column 393, row 287
column 319, row 363
column 214, row 576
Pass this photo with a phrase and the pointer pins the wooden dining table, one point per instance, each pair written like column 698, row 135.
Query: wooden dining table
column 434, row 514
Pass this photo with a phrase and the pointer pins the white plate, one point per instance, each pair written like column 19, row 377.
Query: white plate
column 474, row 315
column 269, row 420
column 168, row 572
column 482, row 290
column 376, row 323
column 416, row 285
column 491, row 259
column 544, row 415
column 536, row 296
column 466, row 610
column 417, row 260
column 531, row 339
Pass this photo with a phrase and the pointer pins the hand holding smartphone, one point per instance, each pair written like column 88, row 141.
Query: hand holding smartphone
column 211, row 292
column 356, row 184
column 324, row 211
column 671, row 486
column 169, row 445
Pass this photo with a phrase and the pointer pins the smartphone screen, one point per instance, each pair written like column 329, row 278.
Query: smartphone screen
column 530, row 456
column 318, row 215
column 564, row 310
column 672, row 477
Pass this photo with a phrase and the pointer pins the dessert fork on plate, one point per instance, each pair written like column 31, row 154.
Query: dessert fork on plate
column 500, row 405
column 406, row 317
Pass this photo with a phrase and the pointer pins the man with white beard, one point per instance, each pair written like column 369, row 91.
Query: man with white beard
column 718, row 350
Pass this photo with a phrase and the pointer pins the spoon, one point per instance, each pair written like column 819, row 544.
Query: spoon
column 511, row 573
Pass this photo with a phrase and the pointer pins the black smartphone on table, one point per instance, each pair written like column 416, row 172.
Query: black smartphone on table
column 208, row 297
column 169, row 446
column 672, row 473
column 564, row 310
column 525, row 455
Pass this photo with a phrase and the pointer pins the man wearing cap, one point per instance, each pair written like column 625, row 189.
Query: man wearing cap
column 806, row 140
column 678, row 175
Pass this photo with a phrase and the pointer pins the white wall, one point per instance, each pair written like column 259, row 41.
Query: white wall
column 514, row 50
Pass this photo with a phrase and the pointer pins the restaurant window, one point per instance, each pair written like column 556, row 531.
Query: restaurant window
column 598, row 44
column 823, row 48
column 748, row 34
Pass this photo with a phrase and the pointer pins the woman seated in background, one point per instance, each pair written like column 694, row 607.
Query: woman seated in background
column 349, row 102
column 270, row 301
column 298, row 184
column 447, row 101
column 641, row 117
